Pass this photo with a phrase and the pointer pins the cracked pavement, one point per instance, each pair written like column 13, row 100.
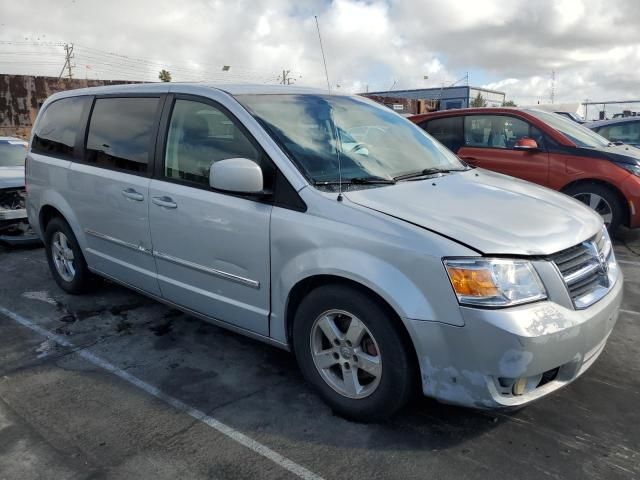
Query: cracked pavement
column 62, row 417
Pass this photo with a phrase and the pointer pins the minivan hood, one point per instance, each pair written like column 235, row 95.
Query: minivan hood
column 490, row 212
column 11, row 177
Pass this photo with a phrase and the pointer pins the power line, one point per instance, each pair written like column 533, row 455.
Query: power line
column 114, row 64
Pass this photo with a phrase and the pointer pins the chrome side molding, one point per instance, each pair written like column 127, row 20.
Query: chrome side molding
column 178, row 261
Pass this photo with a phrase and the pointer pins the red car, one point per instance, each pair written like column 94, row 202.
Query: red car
column 547, row 149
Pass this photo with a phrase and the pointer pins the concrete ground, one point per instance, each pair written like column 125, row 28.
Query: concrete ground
column 128, row 388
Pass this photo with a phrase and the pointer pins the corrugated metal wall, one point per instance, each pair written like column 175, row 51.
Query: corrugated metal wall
column 22, row 95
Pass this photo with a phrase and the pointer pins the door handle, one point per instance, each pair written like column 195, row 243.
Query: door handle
column 165, row 202
column 131, row 194
column 466, row 157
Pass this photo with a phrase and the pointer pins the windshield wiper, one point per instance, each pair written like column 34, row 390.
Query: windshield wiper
column 427, row 171
column 359, row 181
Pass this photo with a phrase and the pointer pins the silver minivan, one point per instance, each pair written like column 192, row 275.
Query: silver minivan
column 330, row 226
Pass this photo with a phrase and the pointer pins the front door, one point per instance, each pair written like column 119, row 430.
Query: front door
column 109, row 189
column 489, row 142
column 211, row 248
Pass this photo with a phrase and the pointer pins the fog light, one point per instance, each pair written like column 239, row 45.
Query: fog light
column 519, row 386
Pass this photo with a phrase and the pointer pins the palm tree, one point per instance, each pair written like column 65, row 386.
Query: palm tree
column 164, row 75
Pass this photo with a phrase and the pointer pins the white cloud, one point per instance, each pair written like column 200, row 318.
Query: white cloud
column 593, row 45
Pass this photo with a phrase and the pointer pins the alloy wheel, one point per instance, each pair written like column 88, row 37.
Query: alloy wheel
column 346, row 354
column 597, row 203
column 63, row 256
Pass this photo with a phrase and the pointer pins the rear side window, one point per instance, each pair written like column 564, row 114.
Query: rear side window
column 447, row 130
column 498, row 131
column 58, row 128
column 121, row 133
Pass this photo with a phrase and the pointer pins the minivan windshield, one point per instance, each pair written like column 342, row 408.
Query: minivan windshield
column 369, row 143
column 581, row 136
column 12, row 154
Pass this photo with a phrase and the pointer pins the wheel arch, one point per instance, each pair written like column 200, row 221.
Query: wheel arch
column 53, row 204
column 626, row 214
column 47, row 213
column 306, row 285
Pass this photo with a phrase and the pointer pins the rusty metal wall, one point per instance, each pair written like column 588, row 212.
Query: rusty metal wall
column 405, row 106
column 22, row 95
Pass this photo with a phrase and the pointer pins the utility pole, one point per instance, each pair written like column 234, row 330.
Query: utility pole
column 553, row 86
column 586, row 106
column 68, row 49
column 286, row 80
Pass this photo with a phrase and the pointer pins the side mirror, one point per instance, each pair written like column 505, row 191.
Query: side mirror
column 239, row 175
column 525, row 143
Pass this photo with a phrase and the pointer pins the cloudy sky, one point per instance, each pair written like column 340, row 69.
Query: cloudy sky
column 511, row 45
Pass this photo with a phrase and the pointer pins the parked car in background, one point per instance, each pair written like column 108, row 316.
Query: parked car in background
column 14, row 226
column 387, row 267
column 571, row 116
column 618, row 130
column 548, row 149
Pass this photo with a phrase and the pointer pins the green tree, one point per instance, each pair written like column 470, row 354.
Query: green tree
column 164, row 75
column 479, row 101
column 509, row 103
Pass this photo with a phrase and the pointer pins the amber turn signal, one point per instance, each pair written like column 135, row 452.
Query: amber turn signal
column 472, row 282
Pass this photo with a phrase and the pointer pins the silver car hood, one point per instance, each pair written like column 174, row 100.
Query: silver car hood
column 11, row 177
column 492, row 213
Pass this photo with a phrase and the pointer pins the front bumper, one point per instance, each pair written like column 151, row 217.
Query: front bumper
column 631, row 190
column 14, row 228
column 476, row 365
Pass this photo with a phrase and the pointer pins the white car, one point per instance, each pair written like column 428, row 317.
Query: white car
column 14, row 227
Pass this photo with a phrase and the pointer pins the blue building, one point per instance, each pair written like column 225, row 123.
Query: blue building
column 446, row 98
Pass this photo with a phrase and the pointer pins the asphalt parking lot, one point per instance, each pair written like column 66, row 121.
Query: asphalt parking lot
column 114, row 385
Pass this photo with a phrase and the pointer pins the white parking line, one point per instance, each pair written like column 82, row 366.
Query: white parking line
column 632, row 312
column 230, row 432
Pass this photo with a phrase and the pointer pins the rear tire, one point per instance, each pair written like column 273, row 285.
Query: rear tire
column 602, row 199
column 365, row 372
column 66, row 261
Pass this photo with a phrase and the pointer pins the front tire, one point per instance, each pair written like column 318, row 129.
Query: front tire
column 351, row 349
column 601, row 199
column 66, row 261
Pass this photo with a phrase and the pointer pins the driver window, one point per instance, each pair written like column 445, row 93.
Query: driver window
column 497, row 131
column 200, row 134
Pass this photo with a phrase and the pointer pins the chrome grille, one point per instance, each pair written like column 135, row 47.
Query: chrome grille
column 585, row 270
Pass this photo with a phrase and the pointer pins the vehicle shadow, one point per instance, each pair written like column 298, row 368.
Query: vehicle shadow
column 258, row 388
column 628, row 241
column 251, row 386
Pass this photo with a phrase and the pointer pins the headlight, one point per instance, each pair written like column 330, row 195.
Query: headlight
column 635, row 169
column 494, row 282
